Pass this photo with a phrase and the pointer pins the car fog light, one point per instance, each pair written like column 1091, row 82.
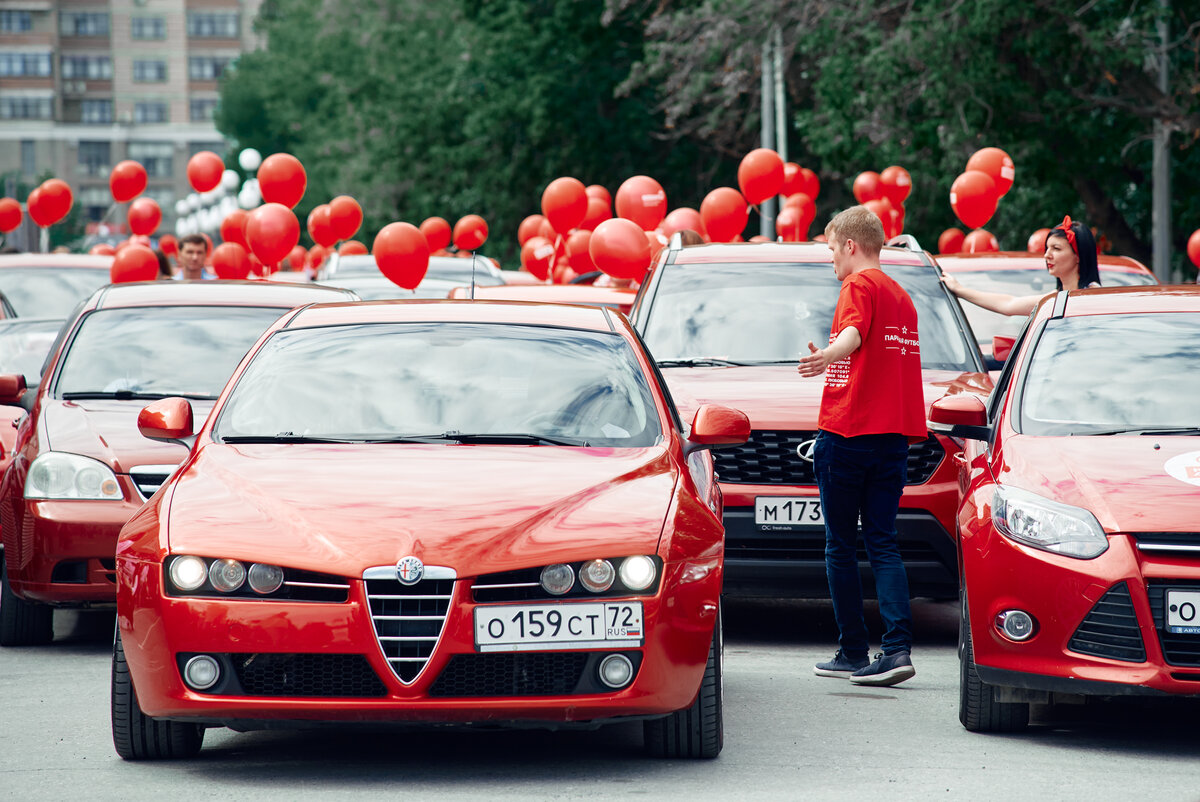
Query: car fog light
column 597, row 575
column 265, row 578
column 637, row 573
column 201, row 672
column 227, row 575
column 188, row 572
column 1016, row 624
column 558, row 578
column 615, row 671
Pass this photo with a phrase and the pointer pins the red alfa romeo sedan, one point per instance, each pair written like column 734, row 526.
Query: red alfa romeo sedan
column 1078, row 526
column 428, row 511
column 79, row 468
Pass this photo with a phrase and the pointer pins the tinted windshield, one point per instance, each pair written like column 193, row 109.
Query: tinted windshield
column 381, row 381
column 769, row 312
column 49, row 291
column 1110, row 371
column 24, row 345
column 166, row 350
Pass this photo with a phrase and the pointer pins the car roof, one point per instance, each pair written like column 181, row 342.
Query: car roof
column 1127, row 300
column 77, row 260
column 774, row 252
column 445, row 311
column 552, row 293
column 215, row 293
column 1024, row 260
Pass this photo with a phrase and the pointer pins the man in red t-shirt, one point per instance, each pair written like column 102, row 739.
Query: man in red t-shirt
column 871, row 408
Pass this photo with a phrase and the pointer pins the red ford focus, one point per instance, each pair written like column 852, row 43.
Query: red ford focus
column 1078, row 526
column 429, row 512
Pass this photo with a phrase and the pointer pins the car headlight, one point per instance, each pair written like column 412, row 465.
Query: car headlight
column 59, row 475
column 1049, row 525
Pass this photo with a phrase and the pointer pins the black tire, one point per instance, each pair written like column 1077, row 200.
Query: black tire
column 697, row 731
column 978, row 709
column 137, row 736
column 22, row 623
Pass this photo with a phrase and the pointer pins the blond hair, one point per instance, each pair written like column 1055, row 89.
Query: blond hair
column 859, row 224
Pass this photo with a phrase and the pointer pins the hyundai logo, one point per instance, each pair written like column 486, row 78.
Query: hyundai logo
column 805, row 450
column 410, row 570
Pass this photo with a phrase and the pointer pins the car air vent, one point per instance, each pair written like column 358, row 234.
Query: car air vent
column 311, row 675
column 1111, row 629
column 1178, row 650
column 1180, row 543
column 408, row 619
column 149, row 478
column 769, row 458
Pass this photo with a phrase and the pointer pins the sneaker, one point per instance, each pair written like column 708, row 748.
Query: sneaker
column 888, row 669
column 840, row 666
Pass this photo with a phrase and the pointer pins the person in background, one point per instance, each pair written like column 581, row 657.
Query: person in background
column 165, row 271
column 689, row 237
column 193, row 252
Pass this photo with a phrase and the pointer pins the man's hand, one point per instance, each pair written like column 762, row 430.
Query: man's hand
column 815, row 363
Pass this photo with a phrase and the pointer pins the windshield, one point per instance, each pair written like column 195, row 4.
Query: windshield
column 50, row 291
column 762, row 313
column 165, row 350
column 24, row 345
column 443, row 381
column 1071, row 387
column 440, row 267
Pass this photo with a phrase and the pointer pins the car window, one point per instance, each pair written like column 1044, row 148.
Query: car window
column 1156, row 385
column 440, row 267
column 757, row 313
column 167, row 350
column 381, row 381
column 49, row 291
column 24, row 345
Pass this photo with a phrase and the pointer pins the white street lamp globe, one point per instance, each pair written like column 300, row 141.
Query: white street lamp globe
column 249, row 159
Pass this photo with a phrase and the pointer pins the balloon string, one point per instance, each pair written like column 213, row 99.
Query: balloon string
column 554, row 259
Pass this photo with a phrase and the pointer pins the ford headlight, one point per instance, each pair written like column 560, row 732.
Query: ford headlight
column 59, row 475
column 1044, row 524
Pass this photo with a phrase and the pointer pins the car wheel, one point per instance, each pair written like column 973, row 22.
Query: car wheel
column 22, row 623
column 136, row 735
column 978, row 709
column 697, row 731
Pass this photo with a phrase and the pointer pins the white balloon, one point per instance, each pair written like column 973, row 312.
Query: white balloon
column 230, row 180
column 181, row 208
column 249, row 159
column 181, row 227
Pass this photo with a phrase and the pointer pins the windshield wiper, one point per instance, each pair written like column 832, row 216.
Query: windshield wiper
column 698, row 362
column 286, row 437
column 126, row 395
column 1182, row 430
column 771, row 362
column 481, row 437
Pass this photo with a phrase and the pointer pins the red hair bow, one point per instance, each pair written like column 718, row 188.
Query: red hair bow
column 1065, row 225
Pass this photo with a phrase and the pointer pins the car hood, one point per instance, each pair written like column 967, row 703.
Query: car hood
column 776, row 397
column 106, row 430
column 474, row 508
column 1131, row 484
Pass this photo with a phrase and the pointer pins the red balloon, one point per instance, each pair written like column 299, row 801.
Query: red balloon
column 437, row 232
column 297, row 257
column 810, row 185
column 895, row 183
column 577, row 251
column 1037, row 241
column 56, row 199
column 134, row 263
column 144, row 216
column 281, row 179
column 881, row 209
column 597, row 191
column 950, row 241
column 1193, row 247
column 537, row 256
column 271, row 232
column 867, row 187
column 681, row 218
column 204, row 171
column 790, row 226
column 10, row 214
column 997, row 164
column 127, row 180
column 320, row 227
column 619, row 247
column 546, row 230
column 168, row 244
column 529, row 228
column 345, row 215
column 724, row 214
column 233, row 227
column 657, row 242
column 565, row 203
column 231, row 261
column 102, row 249
column 598, row 211
column 317, row 255
column 760, row 175
column 804, row 206
column 792, row 179
column 37, row 213
column 352, row 247
column 642, row 200
column 973, row 198
column 470, row 232
column 402, row 253
column 980, row 241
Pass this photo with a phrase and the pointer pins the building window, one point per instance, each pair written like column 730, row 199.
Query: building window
column 18, row 65
column 207, row 68
column 213, row 24
column 94, row 201
column 16, row 21
column 26, row 108
column 216, row 147
column 156, row 157
column 96, row 111
column 92, row 68
column 154, row 72
column 202, row 110
column 28, row 157
column 153, row 111
column 95, row 158
column 83, row 24
column 148, row 28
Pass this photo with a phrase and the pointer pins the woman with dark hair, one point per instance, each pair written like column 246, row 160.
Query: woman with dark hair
column 164, row 265
column 1070, row 258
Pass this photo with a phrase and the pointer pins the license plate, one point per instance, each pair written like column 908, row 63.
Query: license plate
column 571, row 625
column 788, row 511
column 1183, row 612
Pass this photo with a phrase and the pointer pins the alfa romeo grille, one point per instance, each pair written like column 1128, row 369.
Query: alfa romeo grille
column 1111, row 629
column 408, row 619
column 149, row 478
column 769, row 458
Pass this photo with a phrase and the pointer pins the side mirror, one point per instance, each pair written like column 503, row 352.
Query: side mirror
column 960, row 416
column 12, row 387
column 715, row 426
column 1002, row 345
column 167, row 419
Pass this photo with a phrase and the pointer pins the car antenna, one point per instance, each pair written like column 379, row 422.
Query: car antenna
column 472, row 275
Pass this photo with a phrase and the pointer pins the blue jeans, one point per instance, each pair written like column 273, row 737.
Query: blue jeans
column 864, row 476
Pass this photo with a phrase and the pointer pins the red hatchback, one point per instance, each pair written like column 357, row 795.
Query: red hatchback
column 1078, row 525
column 79, row 468
column 429, row 511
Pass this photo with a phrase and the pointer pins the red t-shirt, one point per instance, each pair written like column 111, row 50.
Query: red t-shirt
column 877, row 388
